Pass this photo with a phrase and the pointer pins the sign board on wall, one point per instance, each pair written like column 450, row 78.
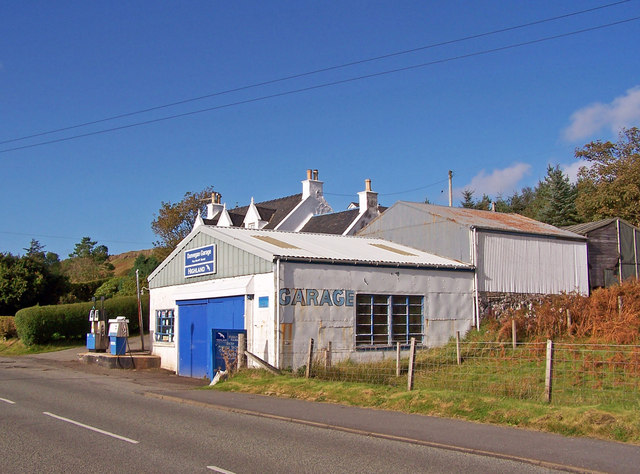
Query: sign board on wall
column 200, row 261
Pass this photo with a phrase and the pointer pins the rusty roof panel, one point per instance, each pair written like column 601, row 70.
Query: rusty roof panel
column 490, row 220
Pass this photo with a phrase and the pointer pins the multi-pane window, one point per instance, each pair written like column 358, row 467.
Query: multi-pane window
column 165, row 323
column 387, row 319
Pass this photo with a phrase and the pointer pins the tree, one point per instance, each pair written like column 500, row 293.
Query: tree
column 26, row 281
column 610, row 185
column 88, row 262
column 86, row 248
column 175, row 220
column 467, row 199
column 557, row 199
column 50, row 259
column 144, row 265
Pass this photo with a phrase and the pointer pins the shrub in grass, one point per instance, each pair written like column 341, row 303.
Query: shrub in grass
column 43, row 324
column 7, row 327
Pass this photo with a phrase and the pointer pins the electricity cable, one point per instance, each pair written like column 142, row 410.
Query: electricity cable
column 313, row 72
column 326, row 84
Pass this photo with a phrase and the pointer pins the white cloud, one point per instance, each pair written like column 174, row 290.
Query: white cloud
column 623, row 111
column 571, row 170
column 502, row 181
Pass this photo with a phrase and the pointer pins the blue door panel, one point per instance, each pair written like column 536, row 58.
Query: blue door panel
column 196, row 320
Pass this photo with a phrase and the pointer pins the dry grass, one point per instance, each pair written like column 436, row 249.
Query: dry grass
column 609, row 315
column 124, row 262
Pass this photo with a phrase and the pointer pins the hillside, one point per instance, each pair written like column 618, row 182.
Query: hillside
column 124, row 262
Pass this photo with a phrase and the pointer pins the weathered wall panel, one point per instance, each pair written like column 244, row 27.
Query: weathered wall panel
column 412, row 227
column 528, row 264
column 231, row 262
column 448, row 306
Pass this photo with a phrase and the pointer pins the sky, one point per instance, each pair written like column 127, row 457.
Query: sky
column 245, row 96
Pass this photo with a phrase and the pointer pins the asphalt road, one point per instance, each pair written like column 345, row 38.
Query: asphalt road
column 58, row 417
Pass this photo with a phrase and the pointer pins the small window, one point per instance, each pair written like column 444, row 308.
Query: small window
column 386, row 320
column 165, row 324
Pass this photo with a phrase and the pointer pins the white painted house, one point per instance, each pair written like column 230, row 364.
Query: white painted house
column 362, row 295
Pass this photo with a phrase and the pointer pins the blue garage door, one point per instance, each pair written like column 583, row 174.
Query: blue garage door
column 196, row 319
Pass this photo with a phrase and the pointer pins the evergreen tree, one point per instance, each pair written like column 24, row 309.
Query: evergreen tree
column 558, row 199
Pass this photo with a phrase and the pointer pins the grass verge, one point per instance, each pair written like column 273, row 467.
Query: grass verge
column 15, row 347
column 610, row 422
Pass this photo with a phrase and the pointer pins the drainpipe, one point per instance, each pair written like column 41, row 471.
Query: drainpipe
column 475, row 278
column 277, row 318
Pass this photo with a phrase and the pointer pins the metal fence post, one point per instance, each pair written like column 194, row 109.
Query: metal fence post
column 309, row 358
column 514, row 337
column 397, row 359
column 548, row 379
column 458, row 348
column 412, row 360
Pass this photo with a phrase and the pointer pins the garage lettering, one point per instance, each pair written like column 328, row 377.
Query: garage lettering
column 313, row 297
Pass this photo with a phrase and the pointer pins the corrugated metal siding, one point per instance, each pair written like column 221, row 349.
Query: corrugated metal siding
column 231, row 262
column 526, row 264
column 414, row 228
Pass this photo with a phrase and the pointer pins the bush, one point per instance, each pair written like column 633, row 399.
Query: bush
column 7, row 327
column 43, row 324
column 84, row 291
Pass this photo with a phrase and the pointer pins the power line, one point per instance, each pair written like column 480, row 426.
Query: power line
column 71, row 238
column 316, row 71
column 324, row 85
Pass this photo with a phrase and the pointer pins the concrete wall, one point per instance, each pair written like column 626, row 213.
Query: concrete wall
column 448, row 306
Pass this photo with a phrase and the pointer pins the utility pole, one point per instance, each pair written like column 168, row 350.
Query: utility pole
column 139, row 311
column 450, row 188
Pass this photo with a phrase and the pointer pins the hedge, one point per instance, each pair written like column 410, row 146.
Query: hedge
column 7, row 327
column 43, row 324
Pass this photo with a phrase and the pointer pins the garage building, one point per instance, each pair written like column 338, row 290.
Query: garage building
column 362, row 295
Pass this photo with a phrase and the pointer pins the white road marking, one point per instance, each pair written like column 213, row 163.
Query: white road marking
column 92, row 428
column 7, row 401
column 219, row 469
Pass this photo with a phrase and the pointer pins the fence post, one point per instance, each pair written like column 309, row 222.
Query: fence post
column 548, row 379
column 327, row 356
column 514, row 336
column 458, row 348
column 397, row 359
column 412, row 360
column 569, row 322
column 309, row 358
column 242, row 347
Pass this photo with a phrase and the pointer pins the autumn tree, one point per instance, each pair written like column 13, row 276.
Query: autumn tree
column 174, row 221
column 610, row 185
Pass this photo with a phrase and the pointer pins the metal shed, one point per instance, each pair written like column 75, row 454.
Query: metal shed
column 613, row 247
column 362, row 295
column 512, row 254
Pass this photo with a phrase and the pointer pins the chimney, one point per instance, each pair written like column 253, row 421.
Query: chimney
column 214, row 207
column 311, row 187
column 368, row 199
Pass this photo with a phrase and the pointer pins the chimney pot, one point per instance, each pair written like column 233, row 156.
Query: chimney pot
column 315, row 175
column 367, row 185
column 309, row 174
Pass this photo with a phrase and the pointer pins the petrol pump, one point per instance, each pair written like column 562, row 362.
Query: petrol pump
column 118, row 333
column 97, row 338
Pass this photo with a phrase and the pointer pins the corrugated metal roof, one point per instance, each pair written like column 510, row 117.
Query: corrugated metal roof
column 327, row 247
column 490, row 220
column 584, row 229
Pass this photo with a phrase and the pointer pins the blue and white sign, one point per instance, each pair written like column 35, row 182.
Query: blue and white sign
column 200, row 261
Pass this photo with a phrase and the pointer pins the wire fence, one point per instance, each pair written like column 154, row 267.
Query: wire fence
column 561, row 373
